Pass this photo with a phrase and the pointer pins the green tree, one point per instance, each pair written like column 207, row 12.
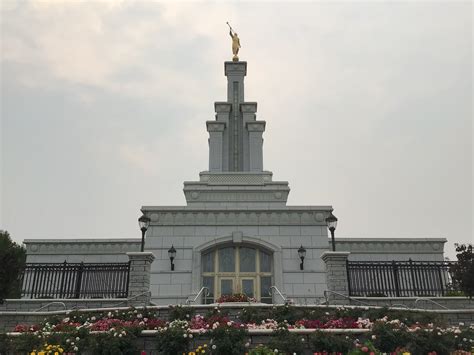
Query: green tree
column 12, row 263
column 463, row 271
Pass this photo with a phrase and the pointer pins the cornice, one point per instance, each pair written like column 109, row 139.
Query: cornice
column 230, row 217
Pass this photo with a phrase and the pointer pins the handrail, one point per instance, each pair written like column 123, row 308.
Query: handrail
column 342, row 295
column 50, row 303
column 430, row 300
column 188, row 301
column 131, row 298
column 270, row 292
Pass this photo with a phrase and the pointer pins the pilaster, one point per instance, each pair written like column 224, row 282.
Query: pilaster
column 139, row 277
column 336, row 275
column 216, row 143
column 256, row 129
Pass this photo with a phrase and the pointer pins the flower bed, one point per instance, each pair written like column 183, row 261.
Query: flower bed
column 286, row 330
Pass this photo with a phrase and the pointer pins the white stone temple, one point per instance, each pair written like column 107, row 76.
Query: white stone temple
column 236, row 233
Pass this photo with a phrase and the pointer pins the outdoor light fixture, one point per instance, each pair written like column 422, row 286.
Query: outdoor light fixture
column 172, row 255
column 332, row 224
column 302, row 254
column 143, row 222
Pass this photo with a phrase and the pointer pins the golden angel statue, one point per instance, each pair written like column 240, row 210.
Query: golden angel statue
column 235, row 43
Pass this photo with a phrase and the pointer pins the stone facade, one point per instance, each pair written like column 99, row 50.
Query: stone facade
column 236, row 232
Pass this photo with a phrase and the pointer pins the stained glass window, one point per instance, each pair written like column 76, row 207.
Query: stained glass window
column 226, row 260
column 247, row 260
column 208, row 262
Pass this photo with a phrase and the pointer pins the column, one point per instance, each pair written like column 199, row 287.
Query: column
column 336, row 275
column 248, row 110
column 139, row 277
column 256, row 130
column 216, row 132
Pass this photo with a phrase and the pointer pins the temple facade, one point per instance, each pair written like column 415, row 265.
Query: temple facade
column 236, row 233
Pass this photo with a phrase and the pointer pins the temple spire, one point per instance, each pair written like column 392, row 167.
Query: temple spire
column 235, row 137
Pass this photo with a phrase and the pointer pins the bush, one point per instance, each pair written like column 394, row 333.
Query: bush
column 327, row 342
column 173, row 339
column 228, row 340
column 463, row 271
column 387, row 337
column 287, row 343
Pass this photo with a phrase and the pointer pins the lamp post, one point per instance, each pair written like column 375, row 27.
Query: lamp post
column 143, row 222
column 172, row 255
column 302, row 254
column 332, row 224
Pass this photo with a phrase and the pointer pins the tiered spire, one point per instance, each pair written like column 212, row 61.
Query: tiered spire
column 235, row 137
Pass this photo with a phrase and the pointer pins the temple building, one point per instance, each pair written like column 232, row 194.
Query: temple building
column 236, row 233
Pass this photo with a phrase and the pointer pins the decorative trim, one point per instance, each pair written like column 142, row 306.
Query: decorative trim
column 229, row 217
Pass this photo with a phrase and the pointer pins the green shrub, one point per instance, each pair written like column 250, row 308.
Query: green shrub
column 327, row 342
column 287, row 343
column 228, row 340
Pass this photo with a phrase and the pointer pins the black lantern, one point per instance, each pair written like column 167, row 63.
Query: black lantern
column 332, row 224
column 302, row 255
column 143, row 222
column 172, row 255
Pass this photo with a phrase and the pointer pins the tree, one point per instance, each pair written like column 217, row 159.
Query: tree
column 12, row 263
column 463, row 271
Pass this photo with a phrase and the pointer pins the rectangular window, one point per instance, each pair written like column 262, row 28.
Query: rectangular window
column 226, row 260
column 208, row 281
column 265, row 284
column 248, row 287
column 226, row 287
column 247, row 260
column 265, row 262
column 208, row 262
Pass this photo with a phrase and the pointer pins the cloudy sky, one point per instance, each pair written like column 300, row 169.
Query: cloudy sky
column 368, row 108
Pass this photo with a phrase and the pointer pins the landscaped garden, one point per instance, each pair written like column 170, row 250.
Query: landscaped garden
column 253, row 330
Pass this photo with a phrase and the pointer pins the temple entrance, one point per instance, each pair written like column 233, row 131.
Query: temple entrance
column 228, row 270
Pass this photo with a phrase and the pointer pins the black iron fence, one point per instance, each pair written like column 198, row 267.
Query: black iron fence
column 76, row 280
column 399, row 278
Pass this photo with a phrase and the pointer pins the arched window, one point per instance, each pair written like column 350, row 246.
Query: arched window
column 238, row 269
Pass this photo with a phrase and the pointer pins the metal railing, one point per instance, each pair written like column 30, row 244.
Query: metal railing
column 75, row 280
column 206, row 294
column 399, row 278
column 274, row 289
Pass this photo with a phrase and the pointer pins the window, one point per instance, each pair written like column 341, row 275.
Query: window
column 237, row 269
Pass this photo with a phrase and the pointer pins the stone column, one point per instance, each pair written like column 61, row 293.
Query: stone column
column 216, row 132
column 139, row 277
column 248, row 110
column 336, row 275
column 256, row 130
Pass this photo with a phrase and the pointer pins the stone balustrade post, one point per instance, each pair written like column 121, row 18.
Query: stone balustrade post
column 139, row 277
column 336, row 275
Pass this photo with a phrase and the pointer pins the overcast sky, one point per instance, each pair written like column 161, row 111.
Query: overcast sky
column 368, row 109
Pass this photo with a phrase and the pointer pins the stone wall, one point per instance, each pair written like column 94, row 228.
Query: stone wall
column 279, row 230
column 388, row 249
column 99, row 250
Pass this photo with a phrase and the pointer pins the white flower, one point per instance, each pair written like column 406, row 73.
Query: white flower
column 76, row 348
column 247, row 345
column 461, row 324
column 93, row 318
column 185, row 335
column 120, row 335
column 214, row 347
column 77, row 338
column 275, row 351
column 374, row 337
column 229, row 324
column 190, row 335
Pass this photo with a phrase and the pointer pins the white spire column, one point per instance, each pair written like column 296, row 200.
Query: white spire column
column 256, row 129
column 216, row 138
